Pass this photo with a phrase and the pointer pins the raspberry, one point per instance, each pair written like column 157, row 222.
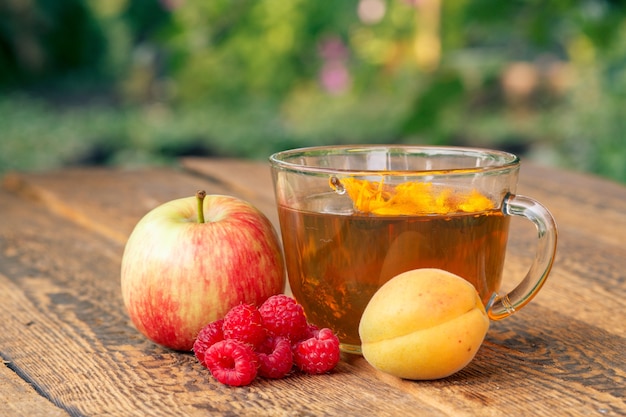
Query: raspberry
column 266, row 341
column 317, row 354
column 208, row 336
column 275, row 357
column 282, row 316
column 311, row 331
column 244, row 323
column 232, row 362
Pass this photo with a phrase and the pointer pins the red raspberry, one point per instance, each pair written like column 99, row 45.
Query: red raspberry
column 318, row 354
column 282, row 316
column 311, row 331
column 208, row 336
column 232, row 362
column 275, row 357
column 244, row 323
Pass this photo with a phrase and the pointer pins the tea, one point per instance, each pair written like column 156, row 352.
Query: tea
column 337, row 258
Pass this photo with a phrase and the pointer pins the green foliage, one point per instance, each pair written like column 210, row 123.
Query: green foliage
column 47, row 39
column 262, row 48
column 156, row 79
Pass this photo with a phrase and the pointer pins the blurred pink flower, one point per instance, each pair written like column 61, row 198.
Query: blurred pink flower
column 171, row 4
column 334, row 75
column 332, row 49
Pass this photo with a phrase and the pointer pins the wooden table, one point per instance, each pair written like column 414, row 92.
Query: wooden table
column 69, row 349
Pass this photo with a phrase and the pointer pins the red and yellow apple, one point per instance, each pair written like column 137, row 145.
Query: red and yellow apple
column 180, row 272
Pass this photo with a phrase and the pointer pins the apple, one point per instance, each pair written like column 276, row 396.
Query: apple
column 180, row 272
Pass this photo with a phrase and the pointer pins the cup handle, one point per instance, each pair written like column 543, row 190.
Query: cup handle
column 501, row 306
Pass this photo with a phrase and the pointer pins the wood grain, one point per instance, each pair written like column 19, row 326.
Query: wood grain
column 585, row 204
column 65, row 331
column 107, row 202
column 19, row 399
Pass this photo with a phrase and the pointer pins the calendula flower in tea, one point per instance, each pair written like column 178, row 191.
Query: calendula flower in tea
column 411, row 198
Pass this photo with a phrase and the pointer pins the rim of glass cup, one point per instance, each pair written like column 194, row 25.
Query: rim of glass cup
column 501, row 160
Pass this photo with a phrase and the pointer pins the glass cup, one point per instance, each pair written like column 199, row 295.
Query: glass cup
column 353, row 217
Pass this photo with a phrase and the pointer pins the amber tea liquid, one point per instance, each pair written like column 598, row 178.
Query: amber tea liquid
column 337, row 259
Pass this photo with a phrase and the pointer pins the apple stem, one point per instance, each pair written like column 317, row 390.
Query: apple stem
column 200, row 199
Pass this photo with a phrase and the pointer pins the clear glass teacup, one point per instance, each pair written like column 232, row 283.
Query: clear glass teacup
column 353, row 217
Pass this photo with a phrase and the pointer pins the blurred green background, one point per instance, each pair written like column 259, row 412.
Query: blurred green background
column 132, row 82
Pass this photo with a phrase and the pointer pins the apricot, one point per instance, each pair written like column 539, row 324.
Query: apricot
column 423, row 324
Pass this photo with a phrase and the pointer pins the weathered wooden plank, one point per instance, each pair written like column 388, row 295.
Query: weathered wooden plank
column 252, row 178
column 585, row 269
column 584, row 203
column 111, row 202
column 92, row 197
column 19, row 399
column 61, row 283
